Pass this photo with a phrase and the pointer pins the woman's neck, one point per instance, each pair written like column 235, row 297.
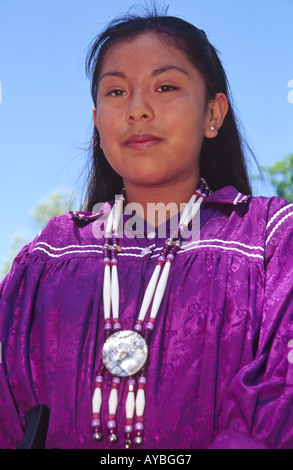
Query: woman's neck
column 157, row 203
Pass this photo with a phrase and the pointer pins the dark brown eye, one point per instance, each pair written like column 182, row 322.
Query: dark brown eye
column 166, row 88
column 116, row 93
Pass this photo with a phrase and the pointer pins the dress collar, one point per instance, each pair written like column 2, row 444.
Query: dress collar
column 226, row 195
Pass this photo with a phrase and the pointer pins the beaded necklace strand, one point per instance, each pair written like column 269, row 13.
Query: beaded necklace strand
column 132, row 346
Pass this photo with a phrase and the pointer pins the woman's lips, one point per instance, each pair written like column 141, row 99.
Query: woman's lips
column 142, row 141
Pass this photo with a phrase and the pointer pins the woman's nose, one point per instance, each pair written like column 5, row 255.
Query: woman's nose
column 139, row 109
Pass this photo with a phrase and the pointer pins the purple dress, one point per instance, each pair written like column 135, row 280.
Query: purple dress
column 220, row 372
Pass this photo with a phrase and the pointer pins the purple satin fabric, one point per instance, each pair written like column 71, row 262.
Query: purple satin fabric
column 219, row 373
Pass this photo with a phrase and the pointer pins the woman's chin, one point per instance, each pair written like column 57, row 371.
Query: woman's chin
column 147, row 182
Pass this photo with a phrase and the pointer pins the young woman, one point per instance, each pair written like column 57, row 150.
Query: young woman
column 131, row 339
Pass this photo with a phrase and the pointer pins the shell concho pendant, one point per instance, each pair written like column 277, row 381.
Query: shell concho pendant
column 124, row 353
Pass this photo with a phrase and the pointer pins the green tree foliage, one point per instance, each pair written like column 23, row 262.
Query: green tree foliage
column 18, row 242
column 281, row 177
column 56, row 203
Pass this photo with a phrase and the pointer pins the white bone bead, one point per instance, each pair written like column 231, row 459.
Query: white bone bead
column 107, row 292
column 109, row 223
column 113, row 401
column 117, row 213
column 160, row 290
column 187, row 209
column 191, row 212
column 115, row 292
column 149, row 293
column 130, row 405
column 140, row 402
column 195, row 207
column 97, row 400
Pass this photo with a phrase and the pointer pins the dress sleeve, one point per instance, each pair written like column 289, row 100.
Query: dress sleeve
column 257, row 411
column 11, row 418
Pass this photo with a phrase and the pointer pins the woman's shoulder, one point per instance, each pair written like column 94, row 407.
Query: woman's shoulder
column 267, row 208
column 75, row 233
column 74, row 226
column 277, row 213
column 253, row 220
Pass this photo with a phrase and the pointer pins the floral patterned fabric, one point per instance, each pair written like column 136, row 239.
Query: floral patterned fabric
column 220, row 374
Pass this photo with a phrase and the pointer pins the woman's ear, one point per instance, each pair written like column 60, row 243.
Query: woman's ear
column 95, row 116
column 95, row 121
column 217, row 110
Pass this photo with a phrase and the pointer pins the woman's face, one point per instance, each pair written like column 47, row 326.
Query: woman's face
column 151, row 112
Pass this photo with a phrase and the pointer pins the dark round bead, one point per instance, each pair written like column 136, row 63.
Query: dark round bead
column 113, row 438
column 138, row 440
column 98, row 436
column 128, row 443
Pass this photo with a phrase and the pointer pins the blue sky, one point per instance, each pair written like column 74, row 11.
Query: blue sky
column 46, row 108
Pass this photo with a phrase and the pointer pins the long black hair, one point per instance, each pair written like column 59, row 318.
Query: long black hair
column 222, row 158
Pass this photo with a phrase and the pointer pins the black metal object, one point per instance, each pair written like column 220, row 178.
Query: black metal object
column 36, row 428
